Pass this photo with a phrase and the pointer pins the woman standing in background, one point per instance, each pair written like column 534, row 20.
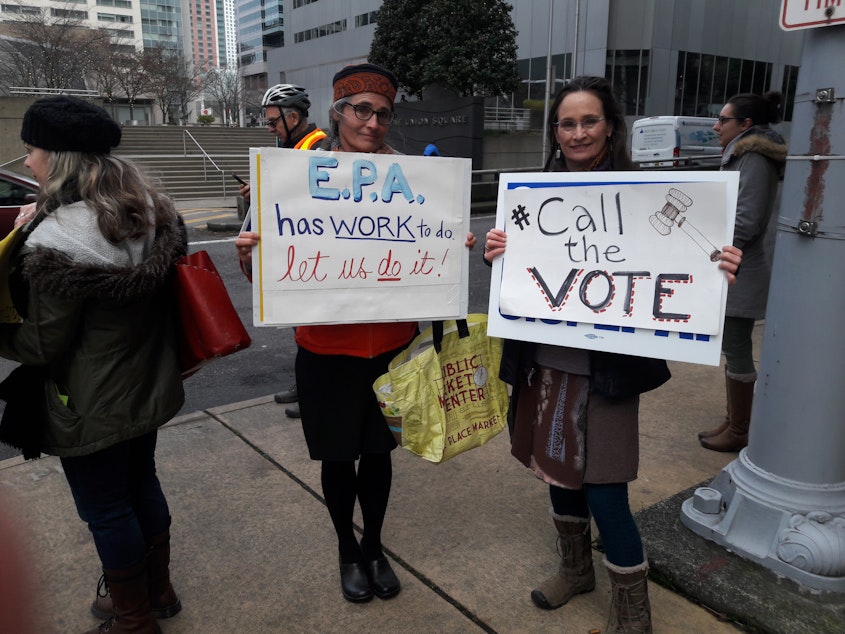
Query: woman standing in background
column 758, row 153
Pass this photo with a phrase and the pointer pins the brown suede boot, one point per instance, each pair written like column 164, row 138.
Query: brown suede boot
column 735, row 436
column 724, row 424
column 630, row 610
column 128, row 588
column 163, row 600
column 575, row 574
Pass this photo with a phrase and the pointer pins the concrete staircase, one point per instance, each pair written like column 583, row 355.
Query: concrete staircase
column 169, row 154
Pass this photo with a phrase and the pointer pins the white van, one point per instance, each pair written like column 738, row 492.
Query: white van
column 675, row 141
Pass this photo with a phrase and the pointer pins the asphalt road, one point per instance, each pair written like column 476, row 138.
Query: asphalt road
column 266, row 366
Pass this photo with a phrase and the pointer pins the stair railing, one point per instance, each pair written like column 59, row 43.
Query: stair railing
column 21, row 158
column 206, row 157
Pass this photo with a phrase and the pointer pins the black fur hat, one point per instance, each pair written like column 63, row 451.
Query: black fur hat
column 69, row 124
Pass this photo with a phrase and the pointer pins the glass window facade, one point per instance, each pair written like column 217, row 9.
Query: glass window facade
column 162, row 24
column 533, row 73
column 366, row 18
column 261, row 26
column 790, row 80
column 69, row 14
column 627, row 71
column 705, row 82
column 320, row 31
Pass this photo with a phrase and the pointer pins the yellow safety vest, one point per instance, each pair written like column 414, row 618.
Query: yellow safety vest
column 310, row 139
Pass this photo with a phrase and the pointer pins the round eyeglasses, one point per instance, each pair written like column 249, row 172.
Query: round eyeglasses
column 364, row 112
column 568, row 125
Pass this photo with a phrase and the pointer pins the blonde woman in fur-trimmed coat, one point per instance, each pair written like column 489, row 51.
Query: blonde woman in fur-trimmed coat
column 758, row 153
column 97, row 345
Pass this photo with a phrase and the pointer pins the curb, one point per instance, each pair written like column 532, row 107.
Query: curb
column 227, row 226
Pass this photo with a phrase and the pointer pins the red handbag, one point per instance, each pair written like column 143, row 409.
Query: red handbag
column 210, row 325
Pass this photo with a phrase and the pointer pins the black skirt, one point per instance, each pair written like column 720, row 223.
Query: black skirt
column 341, row 417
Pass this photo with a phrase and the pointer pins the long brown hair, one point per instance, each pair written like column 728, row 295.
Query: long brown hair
column 125, row 198
column 600, row 87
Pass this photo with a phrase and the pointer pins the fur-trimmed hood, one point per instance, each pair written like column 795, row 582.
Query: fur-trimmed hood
column 57, row 270
column 760, row 139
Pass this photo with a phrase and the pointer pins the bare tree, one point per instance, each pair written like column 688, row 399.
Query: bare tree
column 48, row 47
column 225, row 88
column 104, row 75
column 172, row 82
column 131, row 77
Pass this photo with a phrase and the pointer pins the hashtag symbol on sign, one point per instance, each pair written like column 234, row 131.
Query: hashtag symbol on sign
column 520, row 216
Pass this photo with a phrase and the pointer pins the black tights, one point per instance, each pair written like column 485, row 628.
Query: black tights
column 371, row 486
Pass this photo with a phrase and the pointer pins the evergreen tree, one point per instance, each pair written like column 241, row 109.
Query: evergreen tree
column 469, row 47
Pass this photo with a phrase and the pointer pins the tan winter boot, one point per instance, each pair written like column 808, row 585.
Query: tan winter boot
column 575, row 574
column 735, row 436
column 163, row 600
column 128, row 588
column 724, row 424
column 630, row 610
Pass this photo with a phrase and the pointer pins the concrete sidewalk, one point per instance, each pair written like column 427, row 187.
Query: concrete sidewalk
column 254, row 550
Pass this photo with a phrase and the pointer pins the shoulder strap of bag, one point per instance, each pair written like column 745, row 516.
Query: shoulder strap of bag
column 437, row 332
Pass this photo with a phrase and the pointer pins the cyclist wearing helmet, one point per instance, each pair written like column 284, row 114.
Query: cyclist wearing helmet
column 286, row 108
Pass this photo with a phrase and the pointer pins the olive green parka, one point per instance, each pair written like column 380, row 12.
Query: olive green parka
column 99, row 319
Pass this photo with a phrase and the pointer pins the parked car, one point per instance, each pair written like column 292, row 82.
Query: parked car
column 675, row 142
column 15, row 190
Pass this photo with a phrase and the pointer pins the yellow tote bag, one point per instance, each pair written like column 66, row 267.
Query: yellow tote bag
column 442, row 395
column 8, row 246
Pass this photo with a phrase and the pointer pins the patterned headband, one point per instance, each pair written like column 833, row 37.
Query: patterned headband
column 353, row 80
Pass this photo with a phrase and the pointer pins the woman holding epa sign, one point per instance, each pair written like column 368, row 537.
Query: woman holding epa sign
column 349, row 425
column 560, row 393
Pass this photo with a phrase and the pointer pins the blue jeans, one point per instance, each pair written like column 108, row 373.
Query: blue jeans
column 118, row 494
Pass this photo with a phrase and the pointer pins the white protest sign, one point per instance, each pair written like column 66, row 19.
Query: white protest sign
column 615, row 261
column 356, row 238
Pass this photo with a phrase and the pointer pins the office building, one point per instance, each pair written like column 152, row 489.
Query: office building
column 662, row 56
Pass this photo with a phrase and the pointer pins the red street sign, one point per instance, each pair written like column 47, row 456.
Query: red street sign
column 810, row 14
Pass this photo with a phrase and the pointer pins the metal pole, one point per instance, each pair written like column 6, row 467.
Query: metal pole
column 548, row 80
column 782, row 502
column 574, row 72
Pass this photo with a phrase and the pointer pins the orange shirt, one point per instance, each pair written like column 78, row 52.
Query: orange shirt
column 356, row 340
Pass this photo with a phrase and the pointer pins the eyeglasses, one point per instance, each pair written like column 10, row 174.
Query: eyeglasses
column 364, row 113
column 724, row 120
column 568, row 125
column 271, row 123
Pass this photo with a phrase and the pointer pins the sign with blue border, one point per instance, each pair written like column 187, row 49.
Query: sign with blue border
column 616, row 261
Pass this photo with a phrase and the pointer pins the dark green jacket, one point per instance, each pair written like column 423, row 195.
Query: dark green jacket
column 105, row 336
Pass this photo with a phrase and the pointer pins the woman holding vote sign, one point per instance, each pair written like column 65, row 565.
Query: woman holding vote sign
column 557, row 399
column 349, row 426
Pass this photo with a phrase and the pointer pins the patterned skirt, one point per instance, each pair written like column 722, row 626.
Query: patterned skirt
column 568, row 436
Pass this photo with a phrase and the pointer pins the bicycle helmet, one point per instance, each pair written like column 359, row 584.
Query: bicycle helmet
column 287, row 96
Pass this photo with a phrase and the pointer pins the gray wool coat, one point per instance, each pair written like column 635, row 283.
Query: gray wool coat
column 759, row 155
